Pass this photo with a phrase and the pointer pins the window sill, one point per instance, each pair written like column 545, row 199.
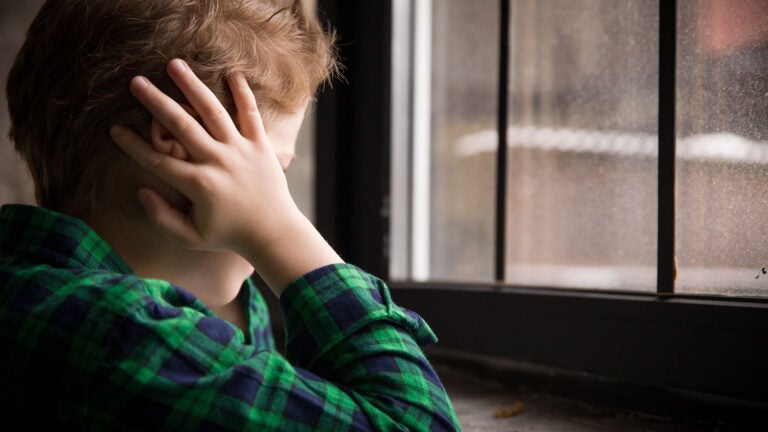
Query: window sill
column 478, row 401
column 709, row 350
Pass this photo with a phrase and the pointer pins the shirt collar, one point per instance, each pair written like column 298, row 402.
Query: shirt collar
column 46, row 236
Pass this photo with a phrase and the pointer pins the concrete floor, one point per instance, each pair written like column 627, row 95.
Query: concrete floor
column 477, row 402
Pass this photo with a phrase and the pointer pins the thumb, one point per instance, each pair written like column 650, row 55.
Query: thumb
column 168, row 220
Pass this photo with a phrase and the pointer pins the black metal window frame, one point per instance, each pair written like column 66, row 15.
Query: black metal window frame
column 704, row 356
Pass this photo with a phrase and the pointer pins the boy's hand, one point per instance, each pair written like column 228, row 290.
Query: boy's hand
column 239, row 193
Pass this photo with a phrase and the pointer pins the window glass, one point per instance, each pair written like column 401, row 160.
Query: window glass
column 722, row 147
column 445, row 86
column 583, row 97
column 464, row 103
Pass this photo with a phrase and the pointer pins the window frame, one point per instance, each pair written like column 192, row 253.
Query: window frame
column 673, row 354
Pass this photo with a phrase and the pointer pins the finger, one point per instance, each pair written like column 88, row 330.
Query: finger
column 169, row 221
column 172, row 116
column 248, row 115
column 215, row 117
column 175, row 172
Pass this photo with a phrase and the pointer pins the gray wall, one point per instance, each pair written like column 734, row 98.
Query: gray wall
column 15, row 185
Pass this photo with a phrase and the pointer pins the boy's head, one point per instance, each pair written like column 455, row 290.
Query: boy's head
column 69, row 83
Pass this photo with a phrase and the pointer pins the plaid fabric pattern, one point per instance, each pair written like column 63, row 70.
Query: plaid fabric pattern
column 89, row 344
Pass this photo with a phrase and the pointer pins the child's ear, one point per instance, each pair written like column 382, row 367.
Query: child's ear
column 165, row 142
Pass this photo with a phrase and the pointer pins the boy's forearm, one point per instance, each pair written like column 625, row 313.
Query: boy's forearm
column 342, row 325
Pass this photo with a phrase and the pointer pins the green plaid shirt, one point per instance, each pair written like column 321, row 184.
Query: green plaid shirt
column 89, row 344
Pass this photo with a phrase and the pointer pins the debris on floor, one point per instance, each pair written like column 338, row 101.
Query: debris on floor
column 510, row 411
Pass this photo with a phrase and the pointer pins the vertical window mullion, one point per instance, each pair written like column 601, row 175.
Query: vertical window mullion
column 666, row 218
column 501, row 155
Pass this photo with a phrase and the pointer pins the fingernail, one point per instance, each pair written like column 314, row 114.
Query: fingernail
column 139, row 82
column 177, row 66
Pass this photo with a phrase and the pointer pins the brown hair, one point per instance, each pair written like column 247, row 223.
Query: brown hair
column 69, row 82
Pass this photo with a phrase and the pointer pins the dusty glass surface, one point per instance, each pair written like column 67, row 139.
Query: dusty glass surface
column 722, row 150
column 464, row 102
column 582, row 182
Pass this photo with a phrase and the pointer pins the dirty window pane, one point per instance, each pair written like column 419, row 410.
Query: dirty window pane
column 722, row 149
column 458, row 219
column 583, row 97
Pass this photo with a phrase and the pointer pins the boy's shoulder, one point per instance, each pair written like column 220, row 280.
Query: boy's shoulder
column 69, row 300
column 39, row 236
column 54, row 265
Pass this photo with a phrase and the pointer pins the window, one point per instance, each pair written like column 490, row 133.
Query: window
column 582, row 112
column 599, row 220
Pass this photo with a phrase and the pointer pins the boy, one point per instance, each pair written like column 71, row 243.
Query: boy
column 125, row 302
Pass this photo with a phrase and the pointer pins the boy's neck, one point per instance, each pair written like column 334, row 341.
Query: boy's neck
column 214, row 277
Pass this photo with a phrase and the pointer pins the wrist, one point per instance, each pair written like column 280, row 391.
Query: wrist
column 296, row 251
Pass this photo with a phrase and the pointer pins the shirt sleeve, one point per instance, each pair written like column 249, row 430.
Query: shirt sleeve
column 353, row 362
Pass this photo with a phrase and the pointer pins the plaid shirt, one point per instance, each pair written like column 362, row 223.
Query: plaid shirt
column 87, row 343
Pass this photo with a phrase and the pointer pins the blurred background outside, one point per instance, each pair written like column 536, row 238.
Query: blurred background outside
column 583, row 166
